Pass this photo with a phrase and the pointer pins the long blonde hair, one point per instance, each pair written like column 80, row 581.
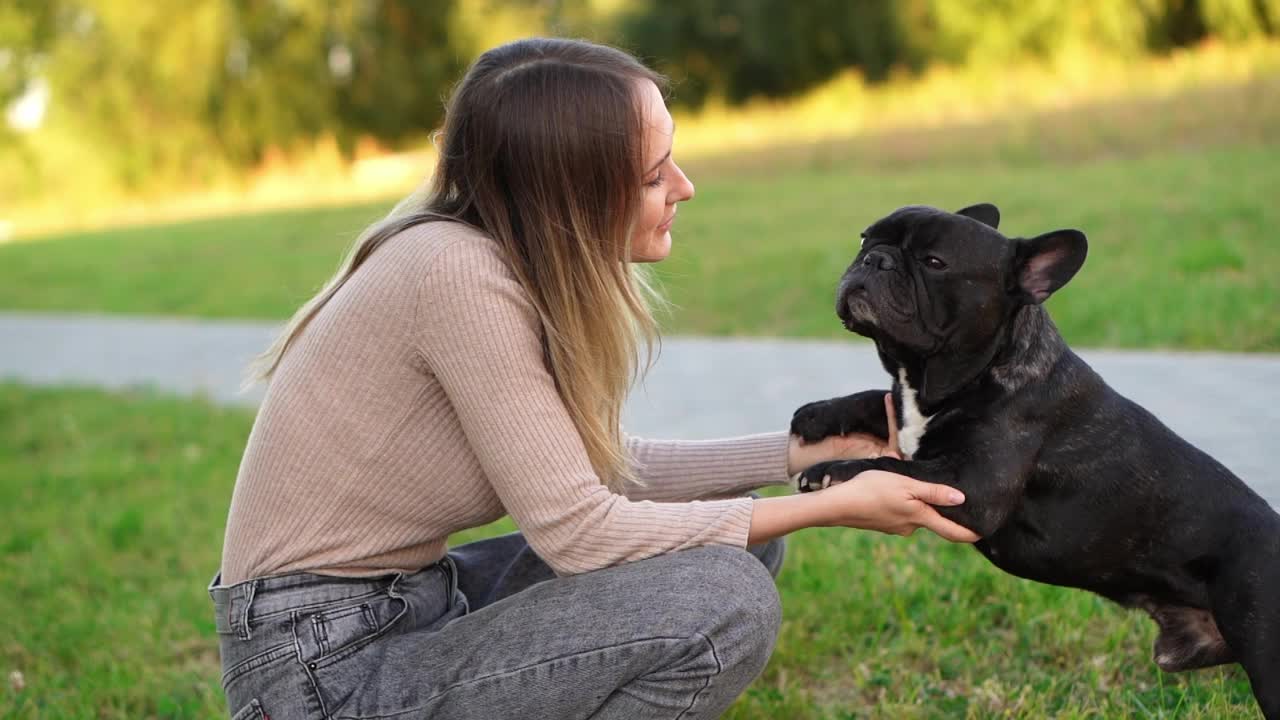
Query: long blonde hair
column 542, row 150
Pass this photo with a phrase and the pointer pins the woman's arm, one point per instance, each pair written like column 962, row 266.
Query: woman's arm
column 874, row 500
column 678, row 470
column 673, row 470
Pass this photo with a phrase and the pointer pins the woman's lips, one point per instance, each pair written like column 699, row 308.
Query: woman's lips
column 666, row 225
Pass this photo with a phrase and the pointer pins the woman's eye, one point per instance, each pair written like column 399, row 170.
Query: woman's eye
column 655, row 182
column 935, row 263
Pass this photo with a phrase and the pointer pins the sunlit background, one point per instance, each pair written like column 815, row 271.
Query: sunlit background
column 213, row 160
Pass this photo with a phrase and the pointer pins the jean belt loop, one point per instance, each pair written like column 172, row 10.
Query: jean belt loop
column 242, row 618
column 451, row 569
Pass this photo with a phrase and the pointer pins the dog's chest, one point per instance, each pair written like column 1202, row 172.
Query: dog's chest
column 914, row 422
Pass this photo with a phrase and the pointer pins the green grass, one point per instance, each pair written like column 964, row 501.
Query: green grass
column 112, row 522
column 1176, row 196
column 1183, row 250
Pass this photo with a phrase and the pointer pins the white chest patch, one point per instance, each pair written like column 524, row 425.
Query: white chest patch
column 913, row 422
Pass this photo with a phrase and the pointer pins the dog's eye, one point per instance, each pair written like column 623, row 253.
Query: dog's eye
column 935, row 263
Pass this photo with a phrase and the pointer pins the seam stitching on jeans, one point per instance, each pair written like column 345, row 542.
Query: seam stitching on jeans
column 329, row 658
column 303, row 608
column 306, row 670
column 255, row 662
column 707, row 684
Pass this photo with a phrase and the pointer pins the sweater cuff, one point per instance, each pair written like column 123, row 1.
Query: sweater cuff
column 739, row 521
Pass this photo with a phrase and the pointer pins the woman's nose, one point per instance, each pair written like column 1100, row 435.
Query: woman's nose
column 683, row 189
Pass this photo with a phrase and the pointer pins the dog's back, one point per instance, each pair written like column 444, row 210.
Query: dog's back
column 1115, row 478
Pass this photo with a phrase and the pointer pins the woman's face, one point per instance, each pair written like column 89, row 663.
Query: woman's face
column 664, row 183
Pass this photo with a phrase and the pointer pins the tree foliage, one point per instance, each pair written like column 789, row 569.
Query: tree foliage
column 181, row 89
column 742, row 48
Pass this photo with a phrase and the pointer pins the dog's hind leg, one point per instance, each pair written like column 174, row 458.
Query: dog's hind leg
column 1246, row 603
column 1189, row 638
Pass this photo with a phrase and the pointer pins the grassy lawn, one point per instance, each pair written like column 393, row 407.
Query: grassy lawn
column 1177, row 198
column 112, row 524
column 114, row 504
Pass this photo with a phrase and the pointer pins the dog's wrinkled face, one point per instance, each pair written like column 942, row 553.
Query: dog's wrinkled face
column 919, row 272
column 933, row 284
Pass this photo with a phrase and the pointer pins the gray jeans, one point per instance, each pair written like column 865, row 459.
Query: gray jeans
column 489, row 632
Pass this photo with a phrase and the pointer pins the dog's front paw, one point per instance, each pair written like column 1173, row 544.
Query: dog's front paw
column 815, row 421
column 825, row 474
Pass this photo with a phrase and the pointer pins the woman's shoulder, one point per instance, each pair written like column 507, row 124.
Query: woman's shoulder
column 433, row 246
column 463, row 284
column 453, row 264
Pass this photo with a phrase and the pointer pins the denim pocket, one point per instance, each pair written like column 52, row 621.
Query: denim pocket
column 334, row 632
column 257, row 662
column 252, row 711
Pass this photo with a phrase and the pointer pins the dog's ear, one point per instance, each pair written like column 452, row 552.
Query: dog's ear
column 985, row 213
column 1046, row 262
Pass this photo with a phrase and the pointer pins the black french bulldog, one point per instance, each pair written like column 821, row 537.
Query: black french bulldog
column 1067, row 482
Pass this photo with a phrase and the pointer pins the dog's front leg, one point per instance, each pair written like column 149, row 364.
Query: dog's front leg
column 991, row 492
column 861, row 412
column 825, row 474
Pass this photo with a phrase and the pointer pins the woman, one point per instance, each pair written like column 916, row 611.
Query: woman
column 471, row 361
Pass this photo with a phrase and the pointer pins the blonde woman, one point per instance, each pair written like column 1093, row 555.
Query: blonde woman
column 471, row 361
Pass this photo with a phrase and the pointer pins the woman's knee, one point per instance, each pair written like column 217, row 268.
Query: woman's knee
column 736, row 592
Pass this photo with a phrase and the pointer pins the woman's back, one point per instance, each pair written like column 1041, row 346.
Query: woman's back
column 353, row 459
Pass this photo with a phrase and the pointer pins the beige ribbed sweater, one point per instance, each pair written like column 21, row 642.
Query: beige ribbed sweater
column 417, row 403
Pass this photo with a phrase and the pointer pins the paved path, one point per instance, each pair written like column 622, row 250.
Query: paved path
column 1229, row 405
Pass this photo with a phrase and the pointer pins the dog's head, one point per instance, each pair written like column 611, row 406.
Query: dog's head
column 936, row 289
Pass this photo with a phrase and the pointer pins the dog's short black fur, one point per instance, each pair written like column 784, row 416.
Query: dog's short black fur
column 1067, row 482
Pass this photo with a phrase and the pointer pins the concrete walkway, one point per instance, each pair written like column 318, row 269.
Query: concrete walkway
column 1229, row 405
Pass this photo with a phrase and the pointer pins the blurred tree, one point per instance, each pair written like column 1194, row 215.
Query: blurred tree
column 1173, row 23
column 740, row 48
column 271, row 86
column 180, row 89
column 170, row 90
column 26, row 33
column 1234, row 20
column 1269, row 10
column 133, row 78
column 394, row 63
column 967, row 31
column 351, row 68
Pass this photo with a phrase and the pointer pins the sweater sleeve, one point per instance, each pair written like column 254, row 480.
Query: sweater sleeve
column 481, row 337
column 673, row 470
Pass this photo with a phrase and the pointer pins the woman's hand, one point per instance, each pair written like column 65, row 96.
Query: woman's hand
column 894, row 504
column 872, row 500
column 854, row 446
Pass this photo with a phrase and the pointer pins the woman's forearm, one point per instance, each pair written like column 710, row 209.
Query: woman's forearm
column 682, row 470
column 774, row 517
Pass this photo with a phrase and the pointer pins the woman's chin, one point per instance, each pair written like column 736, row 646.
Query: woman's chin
column 656, row 250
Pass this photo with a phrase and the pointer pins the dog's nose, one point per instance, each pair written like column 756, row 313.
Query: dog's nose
column 878, row 259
